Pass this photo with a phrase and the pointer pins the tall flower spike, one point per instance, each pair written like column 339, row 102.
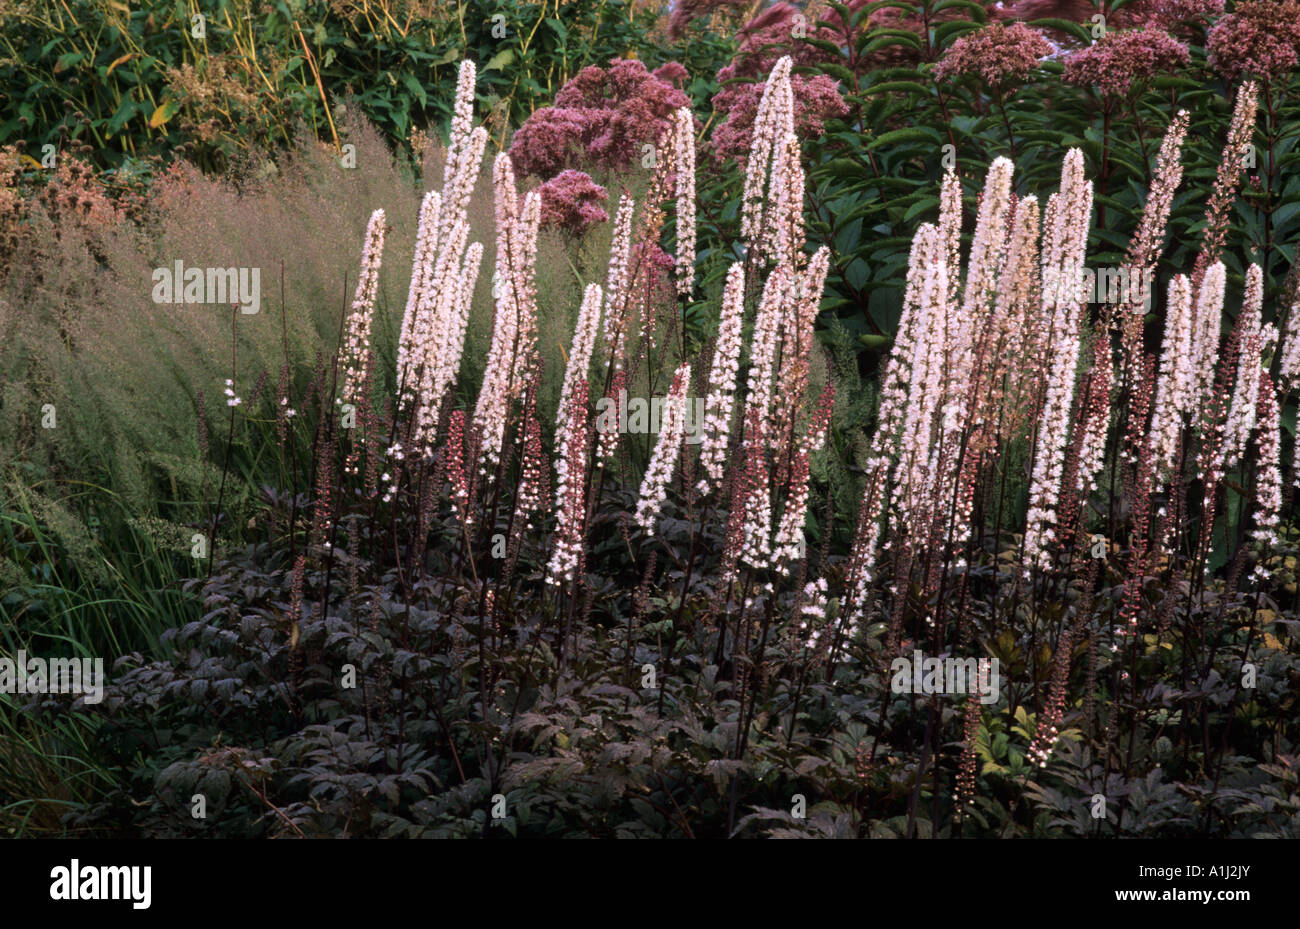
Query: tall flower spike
column 684, row 163
column 763, row 347
column 783, row 226
column 421, row 275
column 774, row 119
column 571, row 517
column 663, row 461
column 575, row 373
column 1206, row 334
column 618, row 285
column 722, row 381
column 1229, row 177
column 511, row 353
column 1176, row 386
column 1268, row 474
column 1069, row 211
column 1245, row 395
column 357, row 347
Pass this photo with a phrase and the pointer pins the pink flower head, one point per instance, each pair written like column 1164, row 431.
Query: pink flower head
column 571, row 200
column 769, row 37
column 1172, row 15
column 1259, row 38
column 999, row 56
column 602, row 117
column 1119, row 59
column 687, row 11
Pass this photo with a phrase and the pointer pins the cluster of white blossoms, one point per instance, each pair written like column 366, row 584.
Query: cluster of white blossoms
column 663, row 461
column 1067, row 223
column 1176, row 385
column 356, row 345
column 1245, row 395
column 512, row 354
column 444, row 272
column 684, row 168
column 617, row 288
column 575, row 378
column 773, row 124
column 571, row 514
column 720, row 403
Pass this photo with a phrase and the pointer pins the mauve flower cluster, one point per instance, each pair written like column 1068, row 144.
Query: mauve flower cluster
column 601, row 118
column 767, row 39
column 1259, row 37
column 1118, row 59
column 1171, row 14
column 998, row 55
column 571, row 200
column 686, row 12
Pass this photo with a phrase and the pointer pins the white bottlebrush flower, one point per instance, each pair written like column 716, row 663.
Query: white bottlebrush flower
column 575, row 373
column 684, row 166
column 356, row 346
column 1069, row 212
column 722, row 380
column 663, row 461
column 1176, row 384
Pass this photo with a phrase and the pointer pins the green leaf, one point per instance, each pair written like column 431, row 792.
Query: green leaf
column 413, row 85
column 500, row 60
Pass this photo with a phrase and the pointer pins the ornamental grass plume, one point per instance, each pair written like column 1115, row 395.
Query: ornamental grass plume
column 663, row 461
column 722, row 381
column 356, row 347
column 1121, row 63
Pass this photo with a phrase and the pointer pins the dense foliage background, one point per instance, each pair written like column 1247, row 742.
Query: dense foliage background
column 226, row 147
